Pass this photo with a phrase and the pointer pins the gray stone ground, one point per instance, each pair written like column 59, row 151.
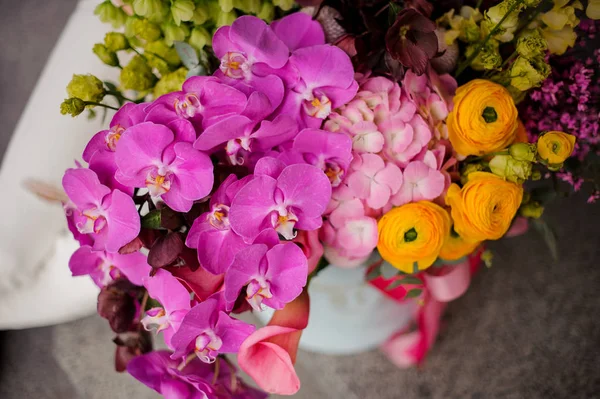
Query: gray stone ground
column 528, row 328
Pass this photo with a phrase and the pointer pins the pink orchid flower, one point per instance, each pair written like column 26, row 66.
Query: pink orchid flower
column 374, row 180
column 241, row 136
column 211, row 234
column 269, row 354
column 326, row 81
column 162, row 159
column 298, row 30
column 295, row 199
column 330, row 152
column 175, row 301
column 100, row 150
column 250, row 53
column 273, row 273
column 421, row 182
column 159, row 372
column 203, row 100
column 207, row 331
column 109, row 217
column 104, row 267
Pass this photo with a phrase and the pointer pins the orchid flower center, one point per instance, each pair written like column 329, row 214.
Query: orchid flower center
column 156, row 318
column 158, row 183
column 219, row 217
column 113, row 136
column 235, row 146
column 234, row 65
column 188, row 107
column 109, row 272
column 207, row 346
column 94, row 221
column 334, row 172
column 284, row 222
column 258, row 289
column 318, row 107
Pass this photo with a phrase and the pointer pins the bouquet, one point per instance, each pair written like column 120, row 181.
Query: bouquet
column 247, row 156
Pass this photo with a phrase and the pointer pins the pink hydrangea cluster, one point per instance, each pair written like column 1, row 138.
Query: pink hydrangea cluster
column 241, row 164
column 568, row 101
column 396, row 159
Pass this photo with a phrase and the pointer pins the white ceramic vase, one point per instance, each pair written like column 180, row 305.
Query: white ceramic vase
column 347, row 315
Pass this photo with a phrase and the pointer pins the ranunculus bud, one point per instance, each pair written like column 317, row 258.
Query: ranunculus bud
column 109, row 13
column 509, row 168
column 86, row 87
column 115, row 41
column 523, row 151
column 72, row 106
column 527, row 73
column 108, row 57
column 532, row 210
column 531, row 44
column 146, row 30
column 137, row 75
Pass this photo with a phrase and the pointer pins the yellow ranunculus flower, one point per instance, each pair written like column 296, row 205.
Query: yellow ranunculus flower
column 484, row 207
column 483, row 120
column 521, row 133
column 555, row 147
column 456, row 247
column 411, row 236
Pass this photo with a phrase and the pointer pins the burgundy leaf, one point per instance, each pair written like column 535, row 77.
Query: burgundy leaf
column 169, row 219
column 117, row 305
column 130, row 345
column 132, row 247
column 165, row 250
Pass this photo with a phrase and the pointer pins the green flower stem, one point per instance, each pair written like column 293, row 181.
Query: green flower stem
column 119, row 95
column 101, row 105
column 478, row 49
column 478, row 4
column 532, row 15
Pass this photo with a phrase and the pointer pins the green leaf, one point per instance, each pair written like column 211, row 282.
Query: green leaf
column 548, row 235
column 152, row 220
column 413, row 293
column 187, row 54
column 373, row 274
column 411, row 280
column 198, row 70
column 395, row 284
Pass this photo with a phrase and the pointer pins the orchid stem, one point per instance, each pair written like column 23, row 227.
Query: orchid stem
column 217, row 371
column 478, row 49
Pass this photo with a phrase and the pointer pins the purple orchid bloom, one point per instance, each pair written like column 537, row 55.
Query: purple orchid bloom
column 211, row 233
column 175, row 301
column 273, row 273
column 330, row 152
column 100, row 151
column 159, row 372
column 295, row 199
column 250, row 54
column 104, row 267
column 162, row 159
column 298, row 30
column 326, row 81
column 109, row 217
column 207, row 331
column 203, row 98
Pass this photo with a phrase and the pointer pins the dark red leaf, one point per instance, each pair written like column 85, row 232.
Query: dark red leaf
column 132, row 247
column 169, row 219
column 116, row 303
column 165, row 250
column 130, row 345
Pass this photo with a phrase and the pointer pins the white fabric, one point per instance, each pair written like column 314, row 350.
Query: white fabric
column 36, row 287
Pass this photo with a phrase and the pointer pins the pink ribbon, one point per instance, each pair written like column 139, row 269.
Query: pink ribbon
column 449, row 282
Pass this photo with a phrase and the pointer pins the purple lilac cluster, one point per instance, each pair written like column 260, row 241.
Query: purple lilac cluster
column 569, row 100
column 260, row 116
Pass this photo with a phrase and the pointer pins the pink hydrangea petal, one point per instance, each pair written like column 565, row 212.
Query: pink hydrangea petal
column 359, row 236
column 298, row 30
column 379, row 195
column 83, row 187
column 390, row 176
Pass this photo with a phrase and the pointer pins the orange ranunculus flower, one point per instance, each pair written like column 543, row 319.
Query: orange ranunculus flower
column 555, row 147
column 456, row 247
column 411, row 236
column 484, row 207
column 521, row 133
column 483, row 120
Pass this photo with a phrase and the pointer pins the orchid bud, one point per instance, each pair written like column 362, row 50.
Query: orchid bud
column 86, row 87
column 73, row 106
column 109, row 13
column 115, row 41
column 106, row 56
